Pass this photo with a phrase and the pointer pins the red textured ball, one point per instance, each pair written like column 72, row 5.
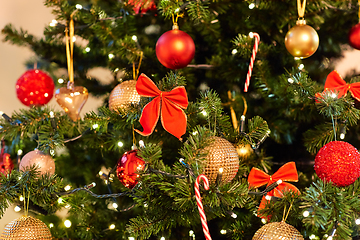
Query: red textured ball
column 35, row 87
column 175, row 49
column 354, row 36
column 128, row 167
column 338, row 162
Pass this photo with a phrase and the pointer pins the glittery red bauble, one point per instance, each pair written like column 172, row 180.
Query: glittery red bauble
column 128, row 167
column 142, row 6
column 175, row 49
column 338, row 162
column 354, row 36
column 35, row 87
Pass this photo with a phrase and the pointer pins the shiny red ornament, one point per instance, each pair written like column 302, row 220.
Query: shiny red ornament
column 338, row 162
column 175, row 49
column 128, row 168
column 354, row 36
column 142, row 6
column 35, row 87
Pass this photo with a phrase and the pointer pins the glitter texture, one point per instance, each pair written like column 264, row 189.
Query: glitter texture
column 338, row 162
column 222, row 154
column 123, row 95
column 278, row 230
column 26, row 228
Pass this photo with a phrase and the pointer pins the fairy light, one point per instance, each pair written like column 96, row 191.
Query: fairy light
column 52, row 152
column 17, row 209
column 357, row 221
column 134, row 37
column 20, row 152
column 53, row 23
column 141, row 143
column 67, row 223
column 60, row 200
column 306, row 213
column 112, row 226
column 342, row 135
column 301, row 66
column 21, row 198
column 67, row 187
column 333, row 95
column 100, row 173
column 195, row 133
column 223, row 231
column 111, row 56
column 290, row 80
column 60, row 80
column 251, row 5
column 234, row 51
column 87, row 49
column 120, row 144
column 67, row 206
column 233, row 215
column 51, row 225
column 191, row 233
column 177, row 10
column 312, row 236
column 74, row 39
column 162, row 238
column 203, row 112
column 115, row 205
column 131, row 238
column 263, row 221
column 78, row 6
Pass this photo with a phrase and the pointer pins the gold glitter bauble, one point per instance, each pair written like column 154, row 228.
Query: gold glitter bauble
column 123, row 95
column 221, row 154
column 302, row 40
column 276, row 231
column 26, row 228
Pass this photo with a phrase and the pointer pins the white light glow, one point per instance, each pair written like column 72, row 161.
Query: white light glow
column 95, row 126
column 74, row 39
column 134, row 37
column 111, row 56
column 263, row 220
column 131, row 238
column 234, row 51
column 342, row 135
column 251, row 6
column 20, row 152
column 191, row 233
column 67, row 187
column 115, row 205
column 141, row 143
column 51, row 225
column 204, row 113
column 357, row 221
column 60, row 80
column 306, row 213
column 78, row 6
column 312, row 236
column 87, row 49
column 120, row 144
column 233, row 215
column 290, row 80
column 162, row 238
column 17, row 209
column 223, row 231
column 301, row 66
column 251, row 34
column 60, row 200
column 67, row 223
column 112, row 226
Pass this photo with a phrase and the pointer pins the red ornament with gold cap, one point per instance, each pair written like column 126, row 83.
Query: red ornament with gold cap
column 35, row 88
column 175, row 49
column 128, row 168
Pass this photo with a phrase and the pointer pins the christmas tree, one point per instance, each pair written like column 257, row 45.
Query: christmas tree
column 242, row 94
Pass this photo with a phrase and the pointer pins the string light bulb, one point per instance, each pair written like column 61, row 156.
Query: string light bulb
column 67, row 223
column 67, row 187
column 251, row 5
column 112, row 226
column 17, row 209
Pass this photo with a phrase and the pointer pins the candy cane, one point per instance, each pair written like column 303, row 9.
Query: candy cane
column 252, row 59
column 199, row 204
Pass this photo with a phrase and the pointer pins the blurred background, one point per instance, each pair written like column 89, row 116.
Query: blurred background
column 33, row 16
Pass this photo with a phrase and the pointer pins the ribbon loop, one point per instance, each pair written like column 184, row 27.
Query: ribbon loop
column 168, row 104
column 334, row 82
column 287, row 172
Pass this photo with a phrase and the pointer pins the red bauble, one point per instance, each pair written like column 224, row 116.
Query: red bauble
column 354, row 36
column 35, row 87
column 175, row 49
column 142, row 6
column 128, row 167
column 338, row 162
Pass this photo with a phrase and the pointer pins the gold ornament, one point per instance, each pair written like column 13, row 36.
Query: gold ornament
column 277, row 230
column 123, row 95
column 72, row 100
column 221, row 154
column 44, row 162
column 301, row 41
column 244, row 151
column 26, row 228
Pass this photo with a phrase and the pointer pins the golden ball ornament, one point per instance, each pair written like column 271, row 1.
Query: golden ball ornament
column 123, row 95
column 44, row 162
column 26, row 228
column 277, row 230
column 221, row 154
column 301, row 41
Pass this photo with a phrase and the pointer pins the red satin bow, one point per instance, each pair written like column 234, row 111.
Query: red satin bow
column 170, row 104
column 287, row 172
column 335, row 83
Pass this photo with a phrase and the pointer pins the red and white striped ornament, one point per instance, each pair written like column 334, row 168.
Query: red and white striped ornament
column 200, row 205
column 252, row 59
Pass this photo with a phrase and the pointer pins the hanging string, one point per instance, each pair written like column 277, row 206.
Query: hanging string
column 301, row 8
column 359, row 10
column 137, row 70
column 69, row 36
column 287, row 214
column 233, row 114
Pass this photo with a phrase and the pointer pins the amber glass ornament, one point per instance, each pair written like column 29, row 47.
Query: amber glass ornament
column 276, row 231
column 301, row 41
column 26, row 228
column 338, row 162
column 354, row 36
column 128, row 167
column 221, row 154
column 44, row 162
column 175, row 49
column 72, row 100
column 123, row 95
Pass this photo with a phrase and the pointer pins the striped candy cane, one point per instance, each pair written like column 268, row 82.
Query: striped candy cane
column 199, row 204
column 252, row 59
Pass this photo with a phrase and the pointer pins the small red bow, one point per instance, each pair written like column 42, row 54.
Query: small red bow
column 170, row 103
column 287, row 172
column 334, row 82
